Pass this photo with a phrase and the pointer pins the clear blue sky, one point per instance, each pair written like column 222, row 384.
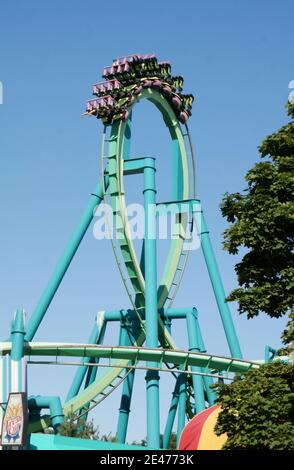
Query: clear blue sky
column 237, row 59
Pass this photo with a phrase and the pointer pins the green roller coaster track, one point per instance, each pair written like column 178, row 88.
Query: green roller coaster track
column 145, row 333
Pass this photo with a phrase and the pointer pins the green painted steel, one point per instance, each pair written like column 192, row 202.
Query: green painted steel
column 116, row 154
column 149, row 320
column 125, row 354
column 116, row 186
column 122, row 356
column 64, row 262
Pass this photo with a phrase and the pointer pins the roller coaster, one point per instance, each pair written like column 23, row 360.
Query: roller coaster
column 146, row 341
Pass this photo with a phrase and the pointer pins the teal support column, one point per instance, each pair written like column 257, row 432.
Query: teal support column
column 151, row 312
column 37, row 403
column 208, row 381
column 126, row 398
column 171, row 414
column 194, row 346
column 217, row 285
column 182, row 405
column 17, row 340
column 82, row 369
column 96, row 337
column 269, row 353
column 17, row 335
column 65, row 260
column 92, row 370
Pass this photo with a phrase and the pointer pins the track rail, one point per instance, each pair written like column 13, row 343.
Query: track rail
column 122, row 356
column 136, row 354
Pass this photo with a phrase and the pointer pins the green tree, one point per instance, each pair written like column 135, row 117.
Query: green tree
column 262, row 222
column 74, row 427
column 171, row 445
column 258, row 411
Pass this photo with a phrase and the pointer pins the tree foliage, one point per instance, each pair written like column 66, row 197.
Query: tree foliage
column 73, row 427
column 262, row 221
column 171, row 445
column 288, row 333
column 258, row 411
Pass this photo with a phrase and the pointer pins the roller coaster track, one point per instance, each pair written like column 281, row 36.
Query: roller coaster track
column 173, row 271
column 177, row 258
column 122, row 355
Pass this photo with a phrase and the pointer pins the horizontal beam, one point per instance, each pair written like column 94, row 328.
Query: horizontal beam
column 171, row 313
column 171, row 356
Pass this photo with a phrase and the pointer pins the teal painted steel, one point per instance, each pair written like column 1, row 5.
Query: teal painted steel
column 207, row 380
column 64, row 262
column 96, row 337
column 82, row 369
column 158, row 355
column 182, row 405
column 166, row 313
column 56, row 442
column 15, row 364
column 17, row 335
column 126, row 339
column 195, row 346
column 171, row 413
column 218, row 288
column 151, row 312
column 269, row 353
column 92, row 370
column 53, row 403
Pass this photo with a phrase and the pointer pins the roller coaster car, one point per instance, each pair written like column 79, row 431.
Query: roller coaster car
column 100, row 104
column 157, row 84
column 164, row 68
column 188, row 100
column 103, row 88
column 177, row 83
column 126, row 78
column 183, row 116
column 130, row 59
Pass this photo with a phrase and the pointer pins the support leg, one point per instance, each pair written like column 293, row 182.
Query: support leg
column 124, row 410
column 217, row 285
column 16, row 359
column 64, row 262
column 151, row 312
column 182, row 405
column 194, row 346
column 172, row 413
column 207, row 381
column 96, row 337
